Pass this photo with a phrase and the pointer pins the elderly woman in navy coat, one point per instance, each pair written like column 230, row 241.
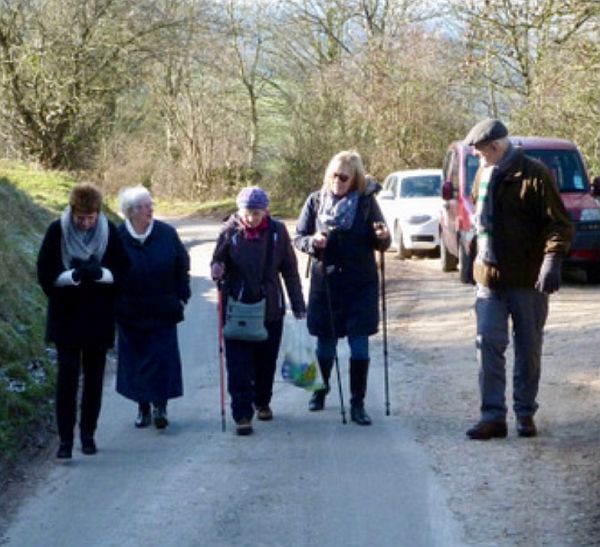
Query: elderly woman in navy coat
column 151, row 305
column 80, row 266
column 340, row 226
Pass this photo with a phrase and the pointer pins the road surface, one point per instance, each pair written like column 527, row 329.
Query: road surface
column 303, row 479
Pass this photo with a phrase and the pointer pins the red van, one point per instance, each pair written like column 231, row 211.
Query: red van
column 566, row 164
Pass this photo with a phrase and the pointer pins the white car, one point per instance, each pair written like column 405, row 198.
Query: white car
column 411, row 202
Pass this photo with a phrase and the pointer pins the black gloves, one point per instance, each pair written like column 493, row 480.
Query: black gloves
column 86, row 270
column 549, row 277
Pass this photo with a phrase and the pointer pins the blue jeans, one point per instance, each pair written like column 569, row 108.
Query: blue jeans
column 359, row 347
column 528, row 310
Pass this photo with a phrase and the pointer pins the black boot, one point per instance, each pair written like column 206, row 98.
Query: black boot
column 160, row 415
column 317, row 401
column 144, row 418
column 359, row 370
column 65, row 451
column 88, row 445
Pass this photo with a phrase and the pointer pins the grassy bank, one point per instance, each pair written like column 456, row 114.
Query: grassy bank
column 29, row 199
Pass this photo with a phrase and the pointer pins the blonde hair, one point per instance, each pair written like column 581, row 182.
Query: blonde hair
column 352, row 160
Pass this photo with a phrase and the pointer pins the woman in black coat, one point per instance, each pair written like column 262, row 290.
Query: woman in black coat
column 253, row 252
column 81, row 265
column 149, row 308
column 340, row 226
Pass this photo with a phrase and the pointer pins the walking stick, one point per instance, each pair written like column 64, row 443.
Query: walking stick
column 386, row 382
column 221, row 356
column 332, row 326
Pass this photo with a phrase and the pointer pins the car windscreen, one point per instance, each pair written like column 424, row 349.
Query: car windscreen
column 421, row 187
column 566, row 168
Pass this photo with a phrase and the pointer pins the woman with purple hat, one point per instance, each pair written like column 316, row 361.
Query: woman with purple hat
column 252, row 254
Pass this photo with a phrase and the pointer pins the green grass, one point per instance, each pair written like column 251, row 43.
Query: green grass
column 48, row 190
column 29, row 199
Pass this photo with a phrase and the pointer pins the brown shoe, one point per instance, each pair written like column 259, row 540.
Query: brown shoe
column 483, row 431
column 244, row 427
column 264, row 413
column 526, row 426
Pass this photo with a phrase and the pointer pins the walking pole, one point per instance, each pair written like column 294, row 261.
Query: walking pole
column 332, row 326
column 386, row 381
column 221, row 356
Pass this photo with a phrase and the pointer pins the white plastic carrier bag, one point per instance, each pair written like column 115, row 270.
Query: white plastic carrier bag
column 300, row 366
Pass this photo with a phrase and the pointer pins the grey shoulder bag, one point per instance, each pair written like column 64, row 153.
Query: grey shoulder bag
column 247, row 321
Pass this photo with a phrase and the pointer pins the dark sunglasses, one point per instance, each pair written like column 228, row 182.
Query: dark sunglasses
column 342, row 176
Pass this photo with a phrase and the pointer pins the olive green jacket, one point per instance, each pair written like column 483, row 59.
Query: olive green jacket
column 529, row 221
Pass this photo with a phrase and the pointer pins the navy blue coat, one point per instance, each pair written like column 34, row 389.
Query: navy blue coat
column 148, row 311
column 349, row 259
column 80, row 316
column 158, row 283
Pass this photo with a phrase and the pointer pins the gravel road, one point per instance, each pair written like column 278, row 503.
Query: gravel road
column 514, row 491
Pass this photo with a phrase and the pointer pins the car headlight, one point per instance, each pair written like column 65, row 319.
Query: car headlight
column 590, row 214
column 418, row 219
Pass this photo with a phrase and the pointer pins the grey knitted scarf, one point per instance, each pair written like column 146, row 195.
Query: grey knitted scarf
column 79, row 244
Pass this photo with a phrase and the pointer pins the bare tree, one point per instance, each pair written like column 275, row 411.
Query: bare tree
column 63, row 65
column 509, row 40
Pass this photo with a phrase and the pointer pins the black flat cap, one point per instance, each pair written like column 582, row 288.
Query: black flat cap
column 486, row 130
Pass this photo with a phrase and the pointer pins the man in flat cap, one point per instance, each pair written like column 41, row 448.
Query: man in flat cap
column 523, row 233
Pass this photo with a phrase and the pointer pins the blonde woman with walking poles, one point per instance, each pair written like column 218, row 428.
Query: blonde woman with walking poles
column 341, row 227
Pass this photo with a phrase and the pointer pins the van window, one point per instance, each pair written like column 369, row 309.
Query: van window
column 452, row 165
column 566, row 168
column 472, row 164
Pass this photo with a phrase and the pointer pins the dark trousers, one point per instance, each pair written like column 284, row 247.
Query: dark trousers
column 251, row 371
column 70, row 363
column 528, row 310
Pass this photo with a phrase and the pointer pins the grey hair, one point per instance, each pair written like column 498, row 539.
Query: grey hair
column 132, row 197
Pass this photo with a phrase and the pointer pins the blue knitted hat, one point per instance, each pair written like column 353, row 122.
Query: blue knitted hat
column 252, row 197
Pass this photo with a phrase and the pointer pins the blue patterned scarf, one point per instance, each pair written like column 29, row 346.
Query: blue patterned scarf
column 337, row 213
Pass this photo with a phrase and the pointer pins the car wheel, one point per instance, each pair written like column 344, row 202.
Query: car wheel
column 403, row 252
column 448, row 260
column 465, row 265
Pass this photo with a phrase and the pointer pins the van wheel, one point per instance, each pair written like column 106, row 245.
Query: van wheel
column 403, row 252
column 448, row 260
column 466, row 266
column 593, row 274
